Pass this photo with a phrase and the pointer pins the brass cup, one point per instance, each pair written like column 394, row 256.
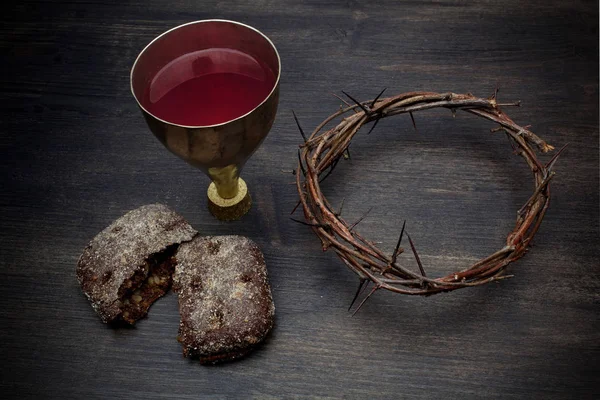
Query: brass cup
column 219, row 150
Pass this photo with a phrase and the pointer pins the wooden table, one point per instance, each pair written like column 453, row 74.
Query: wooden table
column 76, row 154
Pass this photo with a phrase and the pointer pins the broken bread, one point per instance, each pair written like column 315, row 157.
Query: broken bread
column 129, row 265
column 224, row 295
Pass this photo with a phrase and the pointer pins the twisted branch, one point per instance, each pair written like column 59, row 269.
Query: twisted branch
column 322, row 150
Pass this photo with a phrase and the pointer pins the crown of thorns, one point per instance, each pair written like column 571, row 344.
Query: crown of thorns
column 323, row 149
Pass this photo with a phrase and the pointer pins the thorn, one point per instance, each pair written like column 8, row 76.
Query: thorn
column 347, row 153
column 553, row 159
column 413, row 121
column 512, row 144
column 341, row 207
column 309, row 224
column 374, row 125
column 358, row 291
column 497, row 129
column 377, row 98
column 333, row 165
column 296, row 207
column 513, row 104
column 343, row 101
column 395, row 254
column 301, row 165
column 412, row 246
column 499, row 278
column 326, row 175
column 365, row 299
column 357, row 103
column 361, row 218
column 493, row 97
column 328, row 207
column 453, row 112
column 299, row 127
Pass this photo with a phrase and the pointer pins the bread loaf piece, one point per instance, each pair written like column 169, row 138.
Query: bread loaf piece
column 225, row 299
column 129, row 265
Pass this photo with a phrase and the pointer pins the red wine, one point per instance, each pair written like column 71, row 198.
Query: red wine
column 208, row 87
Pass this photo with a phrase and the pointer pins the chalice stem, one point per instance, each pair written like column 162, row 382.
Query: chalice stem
column 226, row 180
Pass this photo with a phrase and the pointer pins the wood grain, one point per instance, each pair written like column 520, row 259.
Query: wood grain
column 75, row 154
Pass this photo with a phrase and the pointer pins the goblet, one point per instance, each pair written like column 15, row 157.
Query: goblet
column 209, row 90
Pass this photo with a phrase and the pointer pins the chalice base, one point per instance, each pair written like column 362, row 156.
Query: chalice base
column 229, row 209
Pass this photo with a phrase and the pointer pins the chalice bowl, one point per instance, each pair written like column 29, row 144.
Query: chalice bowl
column 209, row 92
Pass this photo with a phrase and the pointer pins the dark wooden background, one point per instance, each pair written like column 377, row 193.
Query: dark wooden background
column 75, row 154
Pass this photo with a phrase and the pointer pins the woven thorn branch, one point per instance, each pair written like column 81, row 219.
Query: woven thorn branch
column 320, row 153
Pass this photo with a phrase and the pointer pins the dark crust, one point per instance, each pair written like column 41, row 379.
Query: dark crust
column 224, row 297
column 120, row 252
column 223, row 357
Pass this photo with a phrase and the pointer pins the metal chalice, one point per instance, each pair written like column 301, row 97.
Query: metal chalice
column 222, row 149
